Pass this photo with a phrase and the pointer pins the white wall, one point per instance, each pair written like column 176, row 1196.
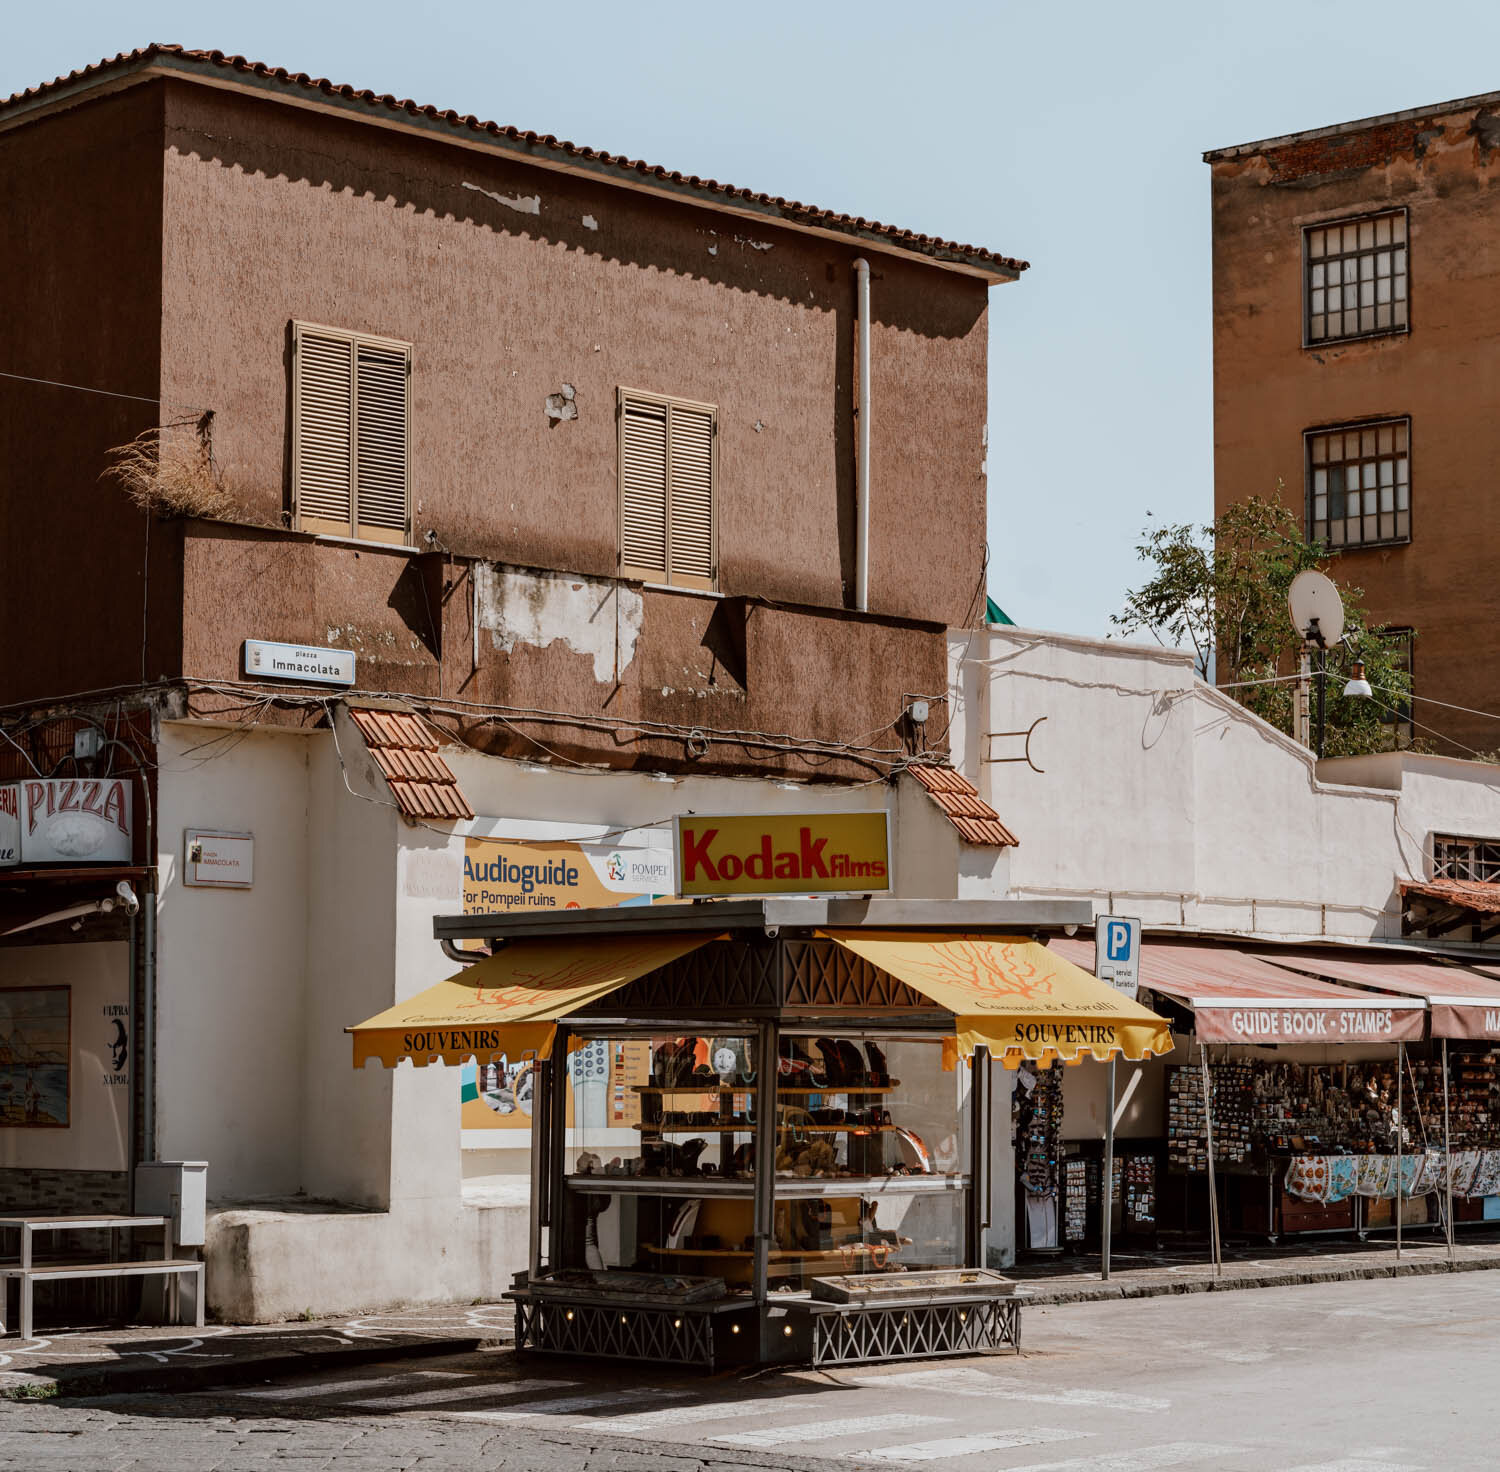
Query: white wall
column 231, row 963
column 1163, row 798
column 256, row 987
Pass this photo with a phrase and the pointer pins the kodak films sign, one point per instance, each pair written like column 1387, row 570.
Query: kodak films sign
column 795, row 853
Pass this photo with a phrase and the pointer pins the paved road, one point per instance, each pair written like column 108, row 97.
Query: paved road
column 1350, row 1377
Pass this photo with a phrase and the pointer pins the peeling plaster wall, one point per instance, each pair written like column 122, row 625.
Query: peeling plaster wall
column 547, row 644
column 1445, row 373
column 595, row 617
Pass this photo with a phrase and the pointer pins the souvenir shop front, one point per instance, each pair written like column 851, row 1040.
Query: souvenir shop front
column 1313, row 1091
column 811, row 1173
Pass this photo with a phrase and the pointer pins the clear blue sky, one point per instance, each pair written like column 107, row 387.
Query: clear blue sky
column 1068, row 135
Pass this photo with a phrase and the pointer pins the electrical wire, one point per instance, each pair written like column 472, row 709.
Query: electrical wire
column 107, row 393
column 1468, row 710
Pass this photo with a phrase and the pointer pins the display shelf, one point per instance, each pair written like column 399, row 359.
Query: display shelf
column 709, row 1086
column 780, row 1254
column 787, row 1188
column 713, row 1088
column 662, row 1185
column 791, row 1188
column 806, row 1127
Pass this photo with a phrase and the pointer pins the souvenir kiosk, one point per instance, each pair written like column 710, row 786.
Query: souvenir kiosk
column 813, row 1106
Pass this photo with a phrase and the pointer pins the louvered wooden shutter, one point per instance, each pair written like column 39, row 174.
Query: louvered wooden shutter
column 322, row 428
column 643, row 488
column 350, row 456
column 380, row 440
column 690, row 524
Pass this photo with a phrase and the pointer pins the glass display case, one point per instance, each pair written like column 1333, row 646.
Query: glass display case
column 870, row 1171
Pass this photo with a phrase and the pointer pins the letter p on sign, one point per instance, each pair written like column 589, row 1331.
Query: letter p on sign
column 1117, row 939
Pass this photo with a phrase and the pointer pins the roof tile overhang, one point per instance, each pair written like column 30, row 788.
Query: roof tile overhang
column 406, row 752
column 1461, row 894
column 219, row 68
column 976, row 821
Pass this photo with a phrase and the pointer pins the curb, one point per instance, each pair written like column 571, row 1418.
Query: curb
column 108, row 1379
column 1097, row 1292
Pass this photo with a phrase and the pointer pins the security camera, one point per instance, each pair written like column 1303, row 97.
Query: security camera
column 128, row 898
column 1070, row 930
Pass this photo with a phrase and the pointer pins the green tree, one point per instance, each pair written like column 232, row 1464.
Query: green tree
column 1221, row 591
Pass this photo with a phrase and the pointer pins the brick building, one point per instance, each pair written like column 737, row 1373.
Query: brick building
column 1356, row 273
column 547, row 468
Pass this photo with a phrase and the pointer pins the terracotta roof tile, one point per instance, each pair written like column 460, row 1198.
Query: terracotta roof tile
column 1464, row 894
column 976, row 821
column 406, row 751
column 623, row 170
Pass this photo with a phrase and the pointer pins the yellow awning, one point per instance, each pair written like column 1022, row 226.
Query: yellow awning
column 1014, row 996
column 508, row 1002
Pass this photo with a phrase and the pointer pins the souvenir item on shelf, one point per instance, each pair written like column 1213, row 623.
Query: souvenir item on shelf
column 915, row 1156
column 1037, row 1112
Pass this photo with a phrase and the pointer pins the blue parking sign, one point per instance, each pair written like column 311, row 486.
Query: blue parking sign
column 1117, row 952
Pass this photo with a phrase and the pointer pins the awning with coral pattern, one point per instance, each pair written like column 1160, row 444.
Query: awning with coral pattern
column 1015, row 996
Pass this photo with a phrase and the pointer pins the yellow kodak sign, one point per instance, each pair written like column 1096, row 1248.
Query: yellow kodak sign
column 790, row 853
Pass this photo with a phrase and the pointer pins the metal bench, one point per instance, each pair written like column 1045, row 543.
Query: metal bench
column 27, row 1273
column 28, row 1278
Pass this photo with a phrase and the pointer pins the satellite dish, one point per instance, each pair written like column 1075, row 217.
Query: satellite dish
column 1314, row 600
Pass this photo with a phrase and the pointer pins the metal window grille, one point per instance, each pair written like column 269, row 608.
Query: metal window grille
column 1359, row 484
column 351, row 412
column 1356, row 277
column 667, row 474
column 1475, row 859
column 1396, row 713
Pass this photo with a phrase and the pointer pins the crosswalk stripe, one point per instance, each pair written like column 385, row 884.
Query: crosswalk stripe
column 1358, row 1464
column 686, row 1415
column 570, row 1403
column 474, row 1390
column 1144, row 1459
column 1009, row 1387
column 824, row 1430
column 336, row 1387
column 966, row 1446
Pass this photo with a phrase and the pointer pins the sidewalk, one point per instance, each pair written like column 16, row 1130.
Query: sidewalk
column 1187, row 1269
column 114, row 1361
column 156, row 1358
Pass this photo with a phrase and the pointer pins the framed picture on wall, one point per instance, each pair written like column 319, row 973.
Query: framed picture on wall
column 36, row 1043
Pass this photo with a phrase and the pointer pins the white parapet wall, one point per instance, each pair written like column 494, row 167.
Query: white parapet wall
column 1162, row 797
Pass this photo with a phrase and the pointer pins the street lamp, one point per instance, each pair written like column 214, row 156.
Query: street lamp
column 1358, row 687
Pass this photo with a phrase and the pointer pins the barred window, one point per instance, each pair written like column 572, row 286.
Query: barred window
column 1466, row 858
column 1359, row 484
column 350, row 411
column 1395, row 710
column 1356, row 277
column 666, row 476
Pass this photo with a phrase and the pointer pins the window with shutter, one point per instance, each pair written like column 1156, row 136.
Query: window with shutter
column 667, row 460
column 351, row 399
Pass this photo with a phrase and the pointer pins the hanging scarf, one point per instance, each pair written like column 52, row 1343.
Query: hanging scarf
column 1429, row 1173
column 1307, row 1177
column 1343, row 1177
column 1486, row 1180
column 1463, row 1164
column 1374, row 1176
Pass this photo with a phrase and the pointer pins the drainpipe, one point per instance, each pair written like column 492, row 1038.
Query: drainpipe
column 148, row 1019
column 862, row 444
